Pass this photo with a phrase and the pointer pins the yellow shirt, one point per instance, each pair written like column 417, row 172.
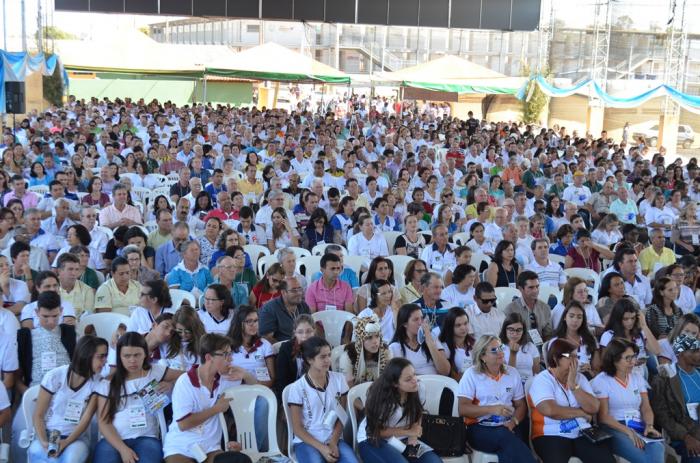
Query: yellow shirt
column 250, row 189
column 651, row 261
column 108, row 296
column 82, row 297
column 471, row 212
column 155, row 239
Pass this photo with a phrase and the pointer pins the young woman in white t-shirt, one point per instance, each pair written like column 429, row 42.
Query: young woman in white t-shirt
column 574, row 328
column 317, row 402
column 457, row 342
column 381, row 306
column 396, row 414
column 281, row 234
column 130, row 432
column 364, row 359
column 461, row 292
column 689, row 324
column 626, row 321
column 380, row 268
column 184, row 351
column 520, row 352
column 425, row 354
column 66, row 404
column 624, row 404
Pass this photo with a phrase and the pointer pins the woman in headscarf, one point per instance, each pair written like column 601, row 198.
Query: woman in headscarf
column 365, row 359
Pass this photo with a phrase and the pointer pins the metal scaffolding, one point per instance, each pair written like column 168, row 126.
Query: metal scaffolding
column 601, row 44
column 676, row 53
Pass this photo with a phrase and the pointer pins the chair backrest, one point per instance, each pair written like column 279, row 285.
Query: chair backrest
column 460, row 239
column 505, row 295
column 434, row 384
column 288, row 419
column 254, row 251
column 336, row 353
column 355, row 263
column 179, row 295
column 308, row 266
column 390, row 238
column 333, row 322
column 547, row 291
column 587, row 274
column 264, row 263
column 320, row 249
column 298, row 252
column 276, row 347
column 400, row 263
column 478, row 258
column 358, row 392
column 40, row 190
column 28, row 406
column 105, row 323
column 242, row 405
column 100, row 276
column 556, row 258
column 151, row 226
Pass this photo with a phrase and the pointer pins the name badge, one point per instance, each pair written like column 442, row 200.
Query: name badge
column 695, row 239
column 261, row 374
column 567, row 426
column 48, row 360
column 630, row 216
column 137, row 417
column 331, row 307
column 581, row 197
column 437, row 263
column 74, row 410
column 535, row 337
column 692, row 408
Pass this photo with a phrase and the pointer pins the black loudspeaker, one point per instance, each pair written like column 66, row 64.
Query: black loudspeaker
column 14, row 98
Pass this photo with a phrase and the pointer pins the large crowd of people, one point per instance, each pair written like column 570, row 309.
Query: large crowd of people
column 551, row 278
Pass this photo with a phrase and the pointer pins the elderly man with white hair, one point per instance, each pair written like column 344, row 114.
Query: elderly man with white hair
column 58, row 224
column 195, row 189
column 275, row 199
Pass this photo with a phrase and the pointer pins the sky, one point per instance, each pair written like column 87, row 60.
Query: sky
column 645, row 13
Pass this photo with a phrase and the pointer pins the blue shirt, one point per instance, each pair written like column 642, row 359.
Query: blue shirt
column 560, row 249
column 167, row 257
column 434, row 314
column 219, row 253
column 690, row 383
column 348, row 275
column 213, row 191
column 200, row 278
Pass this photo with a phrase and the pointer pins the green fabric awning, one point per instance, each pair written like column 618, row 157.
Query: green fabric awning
column 460, row 88
column 276, row 76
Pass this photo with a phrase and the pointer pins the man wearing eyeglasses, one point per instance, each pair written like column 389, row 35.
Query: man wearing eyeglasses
column 277, row 316
column 537, row 314
column 483, row 317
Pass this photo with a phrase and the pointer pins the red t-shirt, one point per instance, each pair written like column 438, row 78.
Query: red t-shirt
column 262, row 297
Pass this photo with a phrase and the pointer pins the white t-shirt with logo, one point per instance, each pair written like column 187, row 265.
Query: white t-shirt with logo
column 524, row 359
column 253, row 361
column 315, row 403
column 67, row 405
column 624, row 399
column 485, row 390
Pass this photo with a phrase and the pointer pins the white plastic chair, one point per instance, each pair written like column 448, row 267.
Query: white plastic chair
column 28, row 406
column 264, row 263
column 390, row 238
column 336, row 353
column 357, row 392
column 162, row 179
column 140, row 193
column 434, row 385
column 320, row 249
column 179, row 295
column 460, row 239
column 477, row 259
column 355, row 263
column 100, row 276
column 40, row 190
column 310, row 264
column 151, row 226
column 105, row 323
column 288, row 419
column 298, row 252
column 242, row 403
column 254, row 251
column 587, row 274
column 400, row 263
column 333, row 322
column 556, row 258
column 547, row 291
column 276, row 347
column 505, row 295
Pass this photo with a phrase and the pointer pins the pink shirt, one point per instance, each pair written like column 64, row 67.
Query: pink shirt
column 110, row 216
column 319, row 298
column 29, row 200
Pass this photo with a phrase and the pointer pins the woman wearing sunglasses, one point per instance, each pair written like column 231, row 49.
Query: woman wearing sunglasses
column 492, row 399
column 562, row 405
column 185, row 343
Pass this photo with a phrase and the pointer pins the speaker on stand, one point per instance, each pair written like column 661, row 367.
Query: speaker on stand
column 14, row 100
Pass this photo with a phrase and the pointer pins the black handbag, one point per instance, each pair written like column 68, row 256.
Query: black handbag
column 447, row 435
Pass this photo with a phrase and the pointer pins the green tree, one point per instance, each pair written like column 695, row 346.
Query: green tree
column 53, row 87
column 53, row 32
column 535, row 99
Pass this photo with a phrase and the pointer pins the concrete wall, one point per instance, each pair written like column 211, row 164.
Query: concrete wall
column 34, row 92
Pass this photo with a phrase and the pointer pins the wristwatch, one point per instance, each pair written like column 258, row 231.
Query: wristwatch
column 577, row 387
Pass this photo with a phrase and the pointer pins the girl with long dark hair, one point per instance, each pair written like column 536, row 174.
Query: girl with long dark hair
column 218, row 309
column 380, row 306
column 425, row 354
column 316, row 402
column 454, row 335
column 184, row 345
column 573, row 327
column 396, row 413
column 129, row 432
column 520, row 352
column 380, row 268
column 66, row 404
column 289, row 365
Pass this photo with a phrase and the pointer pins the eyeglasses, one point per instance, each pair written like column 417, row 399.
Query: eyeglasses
column 212, row 299
column 678, row 275
column 275, row 280
column 514, row 330
column 495, row 350
column 295, row 290
column 145, row 295
column 227, row 354
column 181, row 332
column 252, row 321
column 488, row 301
